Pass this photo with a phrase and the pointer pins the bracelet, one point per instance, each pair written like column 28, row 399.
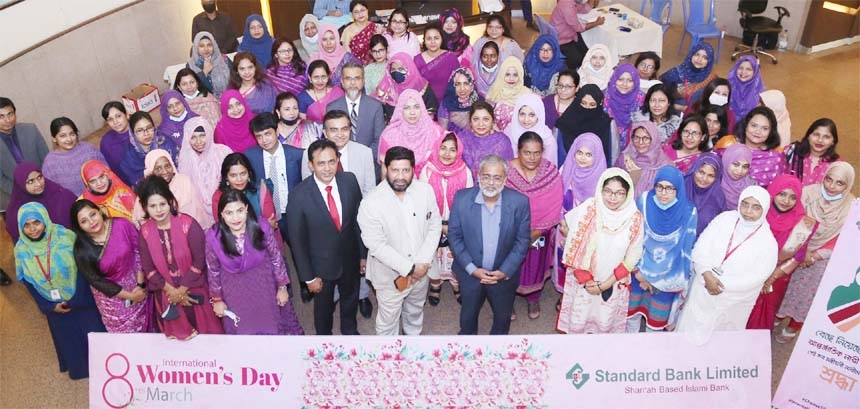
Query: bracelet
column 142, row 285
column 283, row 287
column 213, row 300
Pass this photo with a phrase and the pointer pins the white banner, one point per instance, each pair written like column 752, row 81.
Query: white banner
column 541, row 371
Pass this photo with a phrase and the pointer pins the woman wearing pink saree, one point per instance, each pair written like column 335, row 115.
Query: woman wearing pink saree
column 320, row 92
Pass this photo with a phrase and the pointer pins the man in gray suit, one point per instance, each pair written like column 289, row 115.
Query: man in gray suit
column 489, row 235
column 365, row 113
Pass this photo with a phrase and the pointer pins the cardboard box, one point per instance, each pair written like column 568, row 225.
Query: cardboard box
column 143, row 97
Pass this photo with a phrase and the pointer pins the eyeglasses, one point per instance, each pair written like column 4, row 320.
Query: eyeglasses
column 286, row 51
column 565, row 86
column 687, row 133
column 492, row 178
column 378, row 50
column 619, row 194
column 39, row 178
column 646, row 67
column 641, row 139
column 664, row 188
column 392, row 22
column 144, row 131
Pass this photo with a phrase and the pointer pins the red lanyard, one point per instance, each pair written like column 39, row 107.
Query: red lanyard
column 729, row 250
column 46, row 272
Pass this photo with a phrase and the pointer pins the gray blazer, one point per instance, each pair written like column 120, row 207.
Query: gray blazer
column 34, row 149
column 370, row 123
column 360, row 163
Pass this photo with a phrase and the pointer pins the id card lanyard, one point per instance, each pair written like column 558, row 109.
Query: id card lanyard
column 729, row 250
column 46, row 272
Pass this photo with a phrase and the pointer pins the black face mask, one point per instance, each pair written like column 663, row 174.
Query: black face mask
column 209, row 7
column 288, row 122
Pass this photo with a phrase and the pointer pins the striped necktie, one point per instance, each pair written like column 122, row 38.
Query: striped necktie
column 353, row 122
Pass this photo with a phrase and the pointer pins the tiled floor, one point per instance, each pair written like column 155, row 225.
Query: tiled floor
column 824, row 84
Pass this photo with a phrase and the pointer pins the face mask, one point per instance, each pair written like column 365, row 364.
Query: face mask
column 209, row 8
column 664, row 206
column 192, row 96
column 180, row 117
column 489, row 69
column 398, row 76
column 313, row 40
column 718, row 100
column 288, row 122
column 828, row 197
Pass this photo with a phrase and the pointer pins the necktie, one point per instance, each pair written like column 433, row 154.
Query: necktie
column 353, row 122
column 276, row 183
column 332, row 208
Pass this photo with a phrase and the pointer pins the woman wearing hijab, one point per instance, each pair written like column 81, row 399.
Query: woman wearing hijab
column 534, row 176
column 247, row 273
column 528, row 116
column 356, row 35
column 702, row 183
column 332, row 52
column 146, row 137
column 212, row 67
column 597, row 66
column 411, row 127
column 308, row 42
column 68, row 153
column 735, row 176
column 643, row 156
column 460, row 94
column 159, row 163
column 623, row 98
column 250, row 79
column 687, row 79
column 485, row 65
column 107, row 191
column 30, row 185
column 542, row 64
column 45, row 264
column 809, row 158
column 662, row 275
column 173, row 260
column 775, row 100
column 731, row 261
column 453, row 37
column 200, row 99
column 828, row 203
column 603, row 244
column 175, row 111
column 658, row 108
column 106, row 255
column 503, row 94
column 580, row 175
column 792, row 229
column 482, row 139
column 447, row 173
column 200, row 159
column 402, row 75
column 233, row 129
column 747, row 85
column 435, row 64
column 287, row 70
column 585, row 115
column 256, row 39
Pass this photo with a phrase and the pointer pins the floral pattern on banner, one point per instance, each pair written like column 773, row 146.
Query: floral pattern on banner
column 398, row 375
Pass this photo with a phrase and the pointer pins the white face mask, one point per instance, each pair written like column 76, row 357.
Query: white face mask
column 828, row 197
column 192, row 96
column 313, row 40
column 718, row 100
column 180, row 117
column 489, row 69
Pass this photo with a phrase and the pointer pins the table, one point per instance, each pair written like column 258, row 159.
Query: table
column 649, row 37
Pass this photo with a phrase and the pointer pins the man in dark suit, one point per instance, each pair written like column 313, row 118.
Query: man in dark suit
column 489, row 235
column 280, row 163
column 325, row 237
column 365, row 113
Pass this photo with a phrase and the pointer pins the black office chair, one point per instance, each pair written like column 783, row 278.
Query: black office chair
column 760, row 33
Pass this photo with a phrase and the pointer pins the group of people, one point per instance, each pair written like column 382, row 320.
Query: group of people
column 684, row 206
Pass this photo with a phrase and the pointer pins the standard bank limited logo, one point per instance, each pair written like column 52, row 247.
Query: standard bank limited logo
column 577, row 376
column 117, row 391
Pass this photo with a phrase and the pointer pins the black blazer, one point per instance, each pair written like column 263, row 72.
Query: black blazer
column 319, row 249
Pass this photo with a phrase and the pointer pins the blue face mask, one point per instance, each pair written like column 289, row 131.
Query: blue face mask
column 398, row 76
column 828, row 197
column 664, row 206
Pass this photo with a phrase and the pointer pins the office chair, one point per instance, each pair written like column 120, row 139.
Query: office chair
column 760, row 33
column 658, row 7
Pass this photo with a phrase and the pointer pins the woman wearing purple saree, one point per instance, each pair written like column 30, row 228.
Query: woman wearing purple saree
column 436, row 64
column 249, row 77
column 537, row 178
column 106, row 254
column 481, row 140
column 247, row 275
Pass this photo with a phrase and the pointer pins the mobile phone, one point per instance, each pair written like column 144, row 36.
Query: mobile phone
column 614, row 10
column 625, row 29
column 196, row 297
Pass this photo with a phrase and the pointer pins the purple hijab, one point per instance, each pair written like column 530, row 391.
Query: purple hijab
column 580, row 183
column 56, row 199
column 649, row 162
column 745, row 95
column 620, row 106
column 169, row 127
column 732, row 188
column 475, row 148
column 710, row 201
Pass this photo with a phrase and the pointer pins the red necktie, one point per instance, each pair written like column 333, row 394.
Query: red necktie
column 332, row 208
column 339, row 167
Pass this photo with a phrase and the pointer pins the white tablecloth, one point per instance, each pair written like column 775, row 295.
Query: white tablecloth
column 647, row 38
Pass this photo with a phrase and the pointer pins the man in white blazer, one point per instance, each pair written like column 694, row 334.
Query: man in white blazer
column 400, row 226
column 367, row 122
